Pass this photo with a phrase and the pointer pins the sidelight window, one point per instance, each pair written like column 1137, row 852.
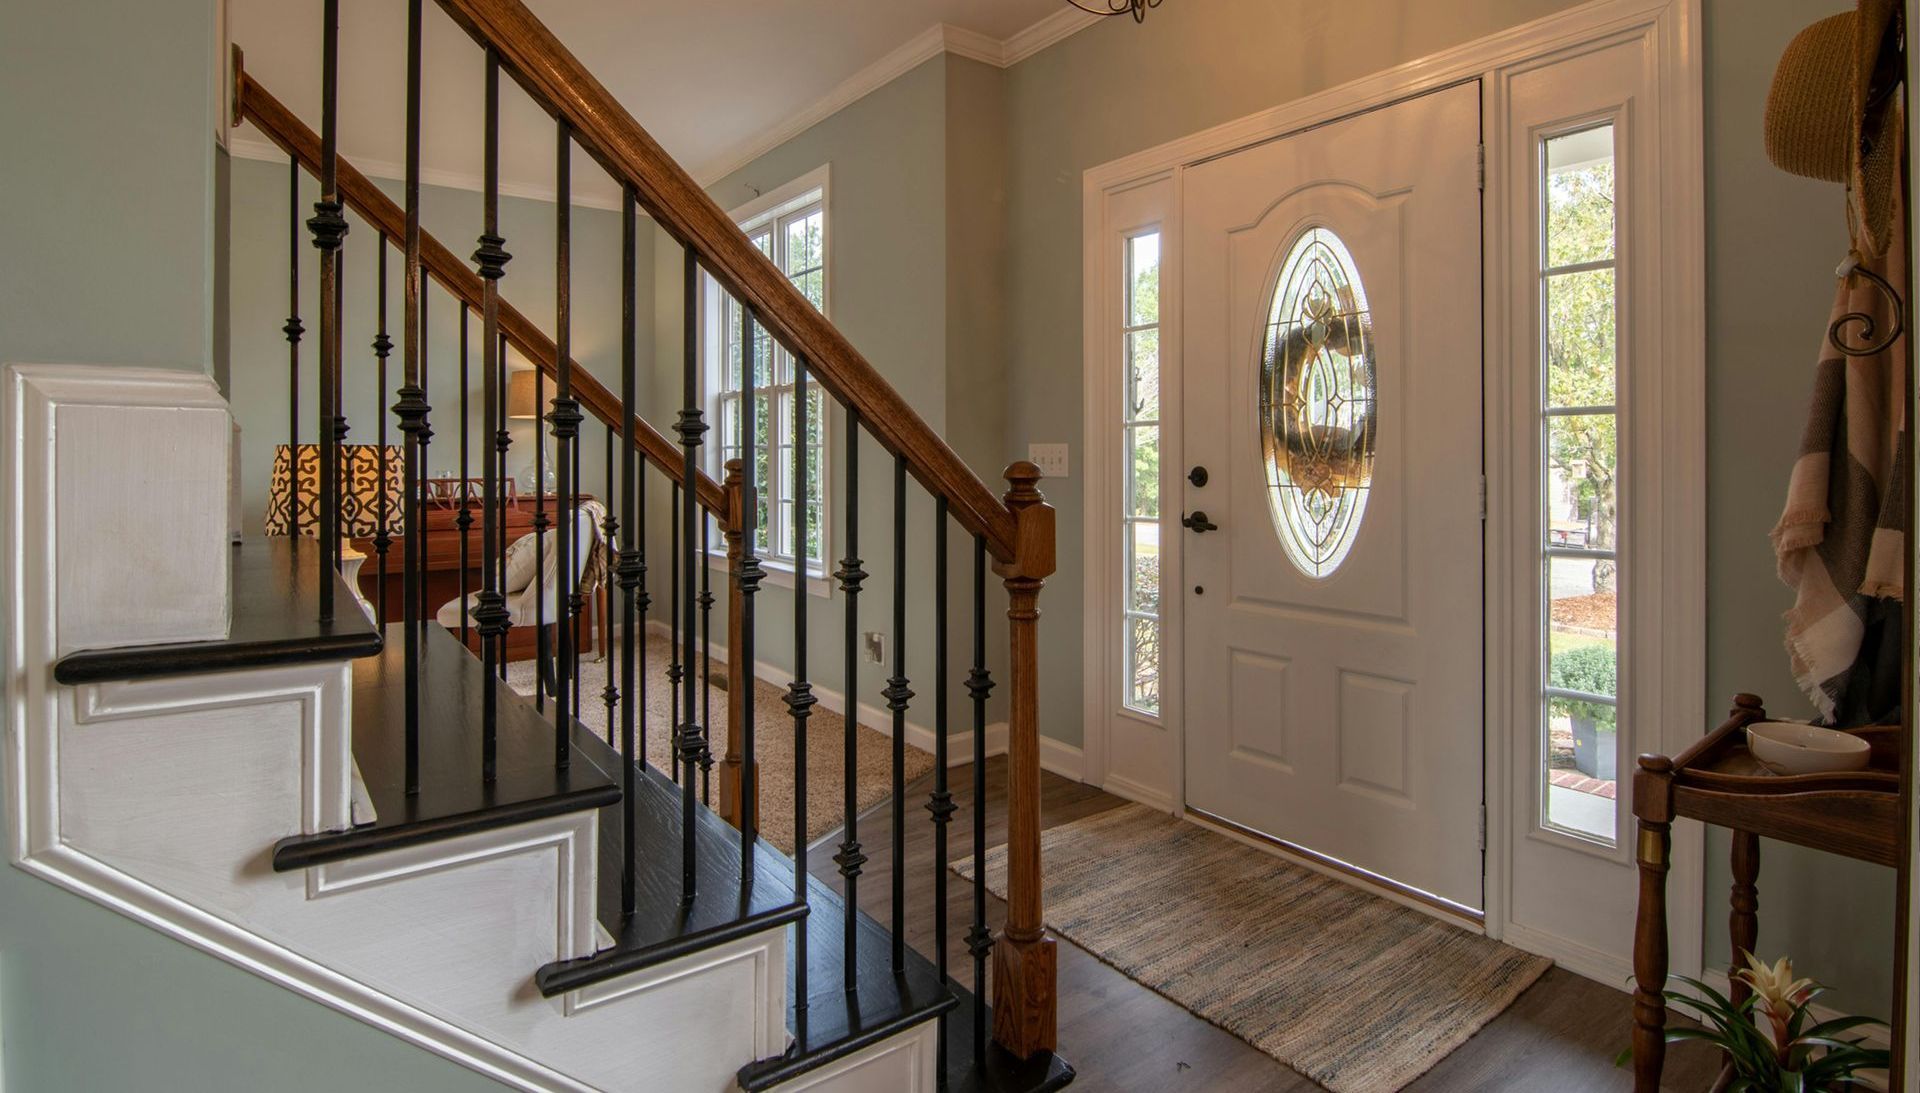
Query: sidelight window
column 1140, row 432
column 1579, row 508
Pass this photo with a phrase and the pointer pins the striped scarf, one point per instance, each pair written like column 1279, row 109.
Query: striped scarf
column 1840, row 543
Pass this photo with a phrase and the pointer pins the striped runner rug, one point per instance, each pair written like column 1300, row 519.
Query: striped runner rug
column 1354, row 991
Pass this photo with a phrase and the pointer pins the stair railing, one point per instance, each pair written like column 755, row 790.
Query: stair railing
column 1015, row 532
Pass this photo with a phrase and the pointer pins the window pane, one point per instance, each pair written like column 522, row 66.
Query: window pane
column 1143, row 567
column 1580, row 218
column 1582, row 461
column 1143, row 374
column 731, row 352
column 1143, row 665
column 1582, row 723
column 1143, row 461
column 813, row 285
column 1143, row 277
column 1580, row 338
column 803, row 242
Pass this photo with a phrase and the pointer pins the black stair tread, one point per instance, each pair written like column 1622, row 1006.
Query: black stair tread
column 453, row 799
column 662, row 926
column 275, row 621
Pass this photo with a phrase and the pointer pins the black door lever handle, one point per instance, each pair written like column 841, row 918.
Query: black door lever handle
column 1197, row 520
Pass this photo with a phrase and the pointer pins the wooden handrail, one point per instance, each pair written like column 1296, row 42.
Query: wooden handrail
column 255, row 104
column 560, row 84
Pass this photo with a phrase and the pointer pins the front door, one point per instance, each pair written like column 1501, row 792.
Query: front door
column 1333, row 435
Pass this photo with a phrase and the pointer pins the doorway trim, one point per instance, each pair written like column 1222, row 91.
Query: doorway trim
column 1674, row 557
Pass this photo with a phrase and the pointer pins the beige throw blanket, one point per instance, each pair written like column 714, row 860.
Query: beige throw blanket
column 1840, row 543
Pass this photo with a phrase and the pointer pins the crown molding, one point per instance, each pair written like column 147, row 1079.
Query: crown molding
column 928, row 44
column 255, row 148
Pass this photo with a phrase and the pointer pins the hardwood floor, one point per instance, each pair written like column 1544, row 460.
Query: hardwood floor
column 1559, row 1037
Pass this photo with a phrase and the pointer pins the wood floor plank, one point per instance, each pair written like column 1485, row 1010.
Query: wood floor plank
column 1560, row 1036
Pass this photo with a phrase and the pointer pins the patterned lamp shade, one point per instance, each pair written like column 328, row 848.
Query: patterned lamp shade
column 295, row 496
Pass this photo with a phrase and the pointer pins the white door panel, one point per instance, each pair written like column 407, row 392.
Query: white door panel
column 1334, row 684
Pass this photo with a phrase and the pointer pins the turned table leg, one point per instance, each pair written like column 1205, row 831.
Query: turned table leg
column 1743, row 924
column 1650, row 960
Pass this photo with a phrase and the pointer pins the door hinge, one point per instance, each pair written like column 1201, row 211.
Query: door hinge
column 1483, row 498
column 1480, row 166
column 1483, row 827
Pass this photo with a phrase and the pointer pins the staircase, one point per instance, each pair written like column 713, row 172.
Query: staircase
column 220, row 739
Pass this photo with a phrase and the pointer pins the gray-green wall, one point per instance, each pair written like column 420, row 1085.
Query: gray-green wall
column 1772, row 243
column 106, row 257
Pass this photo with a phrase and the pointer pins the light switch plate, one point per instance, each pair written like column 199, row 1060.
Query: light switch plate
column 1050, row 458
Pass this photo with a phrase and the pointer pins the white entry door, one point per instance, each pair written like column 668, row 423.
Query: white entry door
column 1333, row 398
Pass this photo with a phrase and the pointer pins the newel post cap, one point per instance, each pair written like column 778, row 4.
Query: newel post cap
column 1033, row 521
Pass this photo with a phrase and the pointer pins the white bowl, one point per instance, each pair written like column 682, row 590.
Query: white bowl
column 1789, row 747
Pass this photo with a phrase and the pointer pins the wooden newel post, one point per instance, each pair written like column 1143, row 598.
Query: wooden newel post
column 1024, row 999
column 739, row 673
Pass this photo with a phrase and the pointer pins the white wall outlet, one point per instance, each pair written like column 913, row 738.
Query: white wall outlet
column 1050, row 458
column 876, row 644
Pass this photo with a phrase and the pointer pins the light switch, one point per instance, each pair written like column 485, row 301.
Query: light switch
column 1050, row 458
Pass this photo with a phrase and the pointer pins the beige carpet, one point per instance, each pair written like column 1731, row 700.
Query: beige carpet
column 1356, row 992
column 773, row 744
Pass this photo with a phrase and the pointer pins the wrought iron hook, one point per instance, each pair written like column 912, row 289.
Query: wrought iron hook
column 1868, row 327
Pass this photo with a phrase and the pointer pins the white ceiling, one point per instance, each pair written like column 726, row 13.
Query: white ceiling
column 707, row 78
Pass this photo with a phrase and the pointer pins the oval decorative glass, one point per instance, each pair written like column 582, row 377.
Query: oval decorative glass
column 1317, row 403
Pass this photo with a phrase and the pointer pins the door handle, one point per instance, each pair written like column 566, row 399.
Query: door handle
column 1197, row 520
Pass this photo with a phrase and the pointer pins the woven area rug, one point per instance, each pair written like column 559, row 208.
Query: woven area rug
column 773, row 744
column 1351, row 990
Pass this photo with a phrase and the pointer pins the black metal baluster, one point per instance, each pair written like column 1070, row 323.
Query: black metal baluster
column 850, row 576
column 673, row 620
column 979, row 686
column 800, row 699
column 609, row 532
column 578, row 604
column 492, row 258
column 329, row 228
column 412, row 506
column 293, row 328
column 693, row 428
column 502, row 446
column 411, row 406
column 540, row 525
column 750, row 576
column 940, row 803
column 566, row 426
column 898, row 694
column 382, row 349
column 630, row 563
column 464, row 520
column 706, row 661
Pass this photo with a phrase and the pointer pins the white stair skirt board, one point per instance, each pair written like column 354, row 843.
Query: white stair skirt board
column 163, row 798
column 903, row 1063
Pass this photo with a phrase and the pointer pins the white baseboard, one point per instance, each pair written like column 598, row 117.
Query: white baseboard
column 1602, row 967
column 1063, row 759
column 959, row 743
column 1157, row 799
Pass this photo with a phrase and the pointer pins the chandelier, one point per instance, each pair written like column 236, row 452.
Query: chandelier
column 1138, row 8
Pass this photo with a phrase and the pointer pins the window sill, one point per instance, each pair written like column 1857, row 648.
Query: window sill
column 778, row 574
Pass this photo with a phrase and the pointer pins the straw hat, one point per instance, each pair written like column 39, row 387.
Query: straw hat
column 1823, row 121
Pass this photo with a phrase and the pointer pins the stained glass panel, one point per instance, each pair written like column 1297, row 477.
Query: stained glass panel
column 1317, row 403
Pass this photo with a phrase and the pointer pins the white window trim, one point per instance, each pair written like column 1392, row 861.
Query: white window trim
column 770, row 207
column 1667, row 676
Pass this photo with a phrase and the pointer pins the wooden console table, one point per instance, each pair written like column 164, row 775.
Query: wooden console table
column 1718, row 781
column 443, row 568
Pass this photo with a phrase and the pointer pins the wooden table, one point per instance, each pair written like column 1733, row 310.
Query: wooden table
column 1718, row 781
column 443, row 569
